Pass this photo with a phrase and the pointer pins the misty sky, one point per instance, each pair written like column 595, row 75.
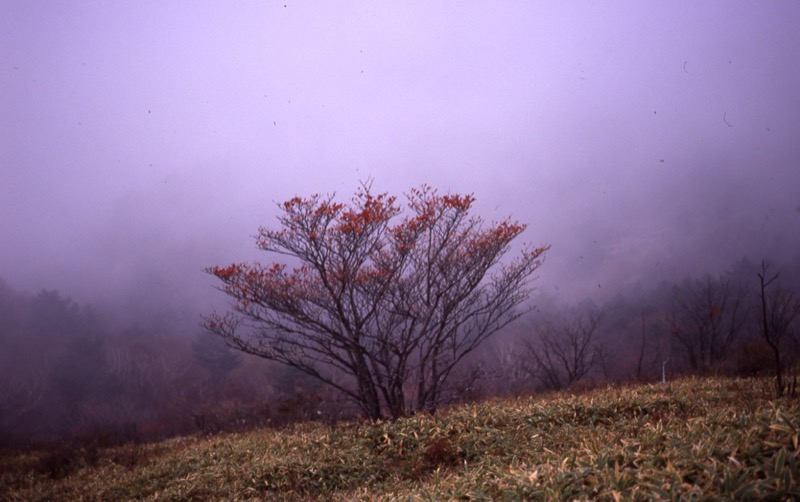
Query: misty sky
column 143, row 141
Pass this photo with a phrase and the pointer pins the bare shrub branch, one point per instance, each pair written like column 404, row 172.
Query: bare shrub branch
column 395, row 306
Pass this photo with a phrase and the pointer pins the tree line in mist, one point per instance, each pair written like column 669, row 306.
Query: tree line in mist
column 713, row 324
column 69, row 371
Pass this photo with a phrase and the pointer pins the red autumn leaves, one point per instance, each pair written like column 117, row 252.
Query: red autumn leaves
column 392, row 297
column 357, row 243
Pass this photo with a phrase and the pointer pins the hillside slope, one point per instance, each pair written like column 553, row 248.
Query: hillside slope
column 697, row 438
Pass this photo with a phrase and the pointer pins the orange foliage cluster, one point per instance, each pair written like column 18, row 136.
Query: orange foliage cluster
column 245, row 282
column 429, row 207
column 227, row 273
column 505, row 230
column 366, row 210
column 460, row 202
column 499, row 235
column 293, row 202
column 327, row 208
column 534, row 253
column 405, row 232
column 314, row 217
column 375, row 209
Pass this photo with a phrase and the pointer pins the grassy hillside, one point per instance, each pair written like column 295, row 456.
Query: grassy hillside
column 696, row 439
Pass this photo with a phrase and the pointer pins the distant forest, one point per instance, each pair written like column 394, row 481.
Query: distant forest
column 70, row 372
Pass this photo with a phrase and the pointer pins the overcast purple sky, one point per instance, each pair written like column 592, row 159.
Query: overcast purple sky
column 143, row 141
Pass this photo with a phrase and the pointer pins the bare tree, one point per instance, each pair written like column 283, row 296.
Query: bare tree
column 564, row 348
column 708, row 316
column 395, row 307
column 779, row 309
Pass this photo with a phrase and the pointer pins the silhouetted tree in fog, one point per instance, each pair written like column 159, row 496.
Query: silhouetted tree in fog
column 563, row 348
column 779, row 310
column 67, row 372
column 634, row 336
column 707, row 317
column 395, row 307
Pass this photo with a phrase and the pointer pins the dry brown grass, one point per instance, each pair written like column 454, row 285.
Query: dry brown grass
column 698, row 439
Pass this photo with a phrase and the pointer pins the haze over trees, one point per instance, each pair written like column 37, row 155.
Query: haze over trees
column 393, row 306
column 142, row 144
column 707, row 318
column 68, row 371
column 563, row 347
column 72, row 371
column 379, row 310
column 778, row 314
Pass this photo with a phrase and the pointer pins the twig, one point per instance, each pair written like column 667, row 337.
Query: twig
column 725, row 119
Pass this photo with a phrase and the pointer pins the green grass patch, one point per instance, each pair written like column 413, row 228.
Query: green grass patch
column 697, row 439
